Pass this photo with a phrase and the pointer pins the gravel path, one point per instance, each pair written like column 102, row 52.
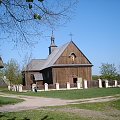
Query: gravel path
column 40, row 102
column 31, row 103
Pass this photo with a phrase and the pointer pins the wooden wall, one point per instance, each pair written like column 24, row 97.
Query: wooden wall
column 27, row 78
column 64, row 75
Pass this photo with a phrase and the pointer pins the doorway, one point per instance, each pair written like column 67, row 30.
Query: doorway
column 74, row 80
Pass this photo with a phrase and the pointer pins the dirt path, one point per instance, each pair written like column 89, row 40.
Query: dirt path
column 40, row 102
column 31, row 103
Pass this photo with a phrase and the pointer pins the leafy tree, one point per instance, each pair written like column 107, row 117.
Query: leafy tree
column 12, row 72
column 21, row 19
column 95, row 77
column 108, row 71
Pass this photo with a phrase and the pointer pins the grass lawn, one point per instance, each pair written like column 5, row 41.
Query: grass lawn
column 7, row 100
column 53, row 114
column 101, row 106
column 75, row 94
column 39, row 115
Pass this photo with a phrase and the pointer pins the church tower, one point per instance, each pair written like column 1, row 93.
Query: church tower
column 52, row 45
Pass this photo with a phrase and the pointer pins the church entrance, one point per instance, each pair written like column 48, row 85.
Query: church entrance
column 74, row 80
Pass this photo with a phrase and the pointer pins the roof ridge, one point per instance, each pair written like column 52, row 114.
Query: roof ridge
column 55, row 55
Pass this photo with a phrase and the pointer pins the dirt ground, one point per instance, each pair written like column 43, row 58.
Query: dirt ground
column 42, row 103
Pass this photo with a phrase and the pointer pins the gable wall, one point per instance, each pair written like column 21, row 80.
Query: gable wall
column 65, row 57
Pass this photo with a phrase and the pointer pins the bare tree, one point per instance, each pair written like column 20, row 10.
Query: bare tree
column 20, row 19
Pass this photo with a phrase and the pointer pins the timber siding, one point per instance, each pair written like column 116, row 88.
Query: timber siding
column 64, row 75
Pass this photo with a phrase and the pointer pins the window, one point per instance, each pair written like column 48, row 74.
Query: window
column 72, row 57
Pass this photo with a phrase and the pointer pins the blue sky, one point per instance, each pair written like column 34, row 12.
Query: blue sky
column 95, row 26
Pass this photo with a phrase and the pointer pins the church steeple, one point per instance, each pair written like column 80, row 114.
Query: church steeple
column 52, row 39
column 52, row 45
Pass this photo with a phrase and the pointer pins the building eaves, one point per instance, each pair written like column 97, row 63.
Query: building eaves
column 72, row 65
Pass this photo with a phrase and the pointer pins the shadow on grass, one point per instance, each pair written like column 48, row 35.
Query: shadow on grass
column 2, row 115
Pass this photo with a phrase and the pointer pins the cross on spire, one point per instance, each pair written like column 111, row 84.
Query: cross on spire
column 71, row 35
column 52, row 39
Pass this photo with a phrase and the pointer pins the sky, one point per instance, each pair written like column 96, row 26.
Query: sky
column 95, row 28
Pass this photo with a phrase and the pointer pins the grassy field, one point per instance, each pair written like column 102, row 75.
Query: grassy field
column 75, row 94
column 39, row 115
column 6, row 100
column 52, row 113
column 101, row 106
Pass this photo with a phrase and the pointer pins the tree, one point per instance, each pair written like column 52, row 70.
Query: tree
column 20, row 19
column 95, row 77
column 12, row 72
column 108, row 71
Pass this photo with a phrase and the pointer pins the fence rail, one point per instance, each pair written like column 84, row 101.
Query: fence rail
column 93, row 84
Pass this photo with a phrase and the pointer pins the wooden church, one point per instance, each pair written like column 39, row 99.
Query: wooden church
column 64, row 64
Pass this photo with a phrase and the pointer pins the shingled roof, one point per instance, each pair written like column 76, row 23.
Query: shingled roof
column 35, row 65
column 54, row 56
column 40, row 64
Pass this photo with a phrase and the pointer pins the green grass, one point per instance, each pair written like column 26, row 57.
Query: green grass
column 7, row 100
column 39, row 115
column 99, row 106
column 53, row 114
column 3, row 89
column 77, row 94
column 73, row 94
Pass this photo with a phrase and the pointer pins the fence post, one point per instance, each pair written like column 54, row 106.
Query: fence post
column 115, row 83
column 33, row 87
column 81, row 82
column 57, row 86
column 46, row 86
column 20, row 88
column 106, row 83
column 85, row 84
column 100, row 83
column 78, row 85
column 14, row 88
column 68, row 85
column 17, row 87
column 9, row 87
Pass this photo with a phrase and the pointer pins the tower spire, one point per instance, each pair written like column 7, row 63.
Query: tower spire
column 71, row 36
column 52, row 45
column 52, row 39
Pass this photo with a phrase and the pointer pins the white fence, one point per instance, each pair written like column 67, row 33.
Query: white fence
column 79, row 85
